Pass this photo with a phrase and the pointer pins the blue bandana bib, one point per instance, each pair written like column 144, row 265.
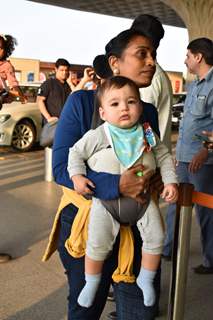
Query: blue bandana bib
column 127, row 143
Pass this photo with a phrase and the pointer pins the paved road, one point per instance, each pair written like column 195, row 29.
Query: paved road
column 32, row 290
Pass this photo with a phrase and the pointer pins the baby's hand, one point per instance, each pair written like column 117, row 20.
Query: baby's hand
column 170, row 193
column 81, row 184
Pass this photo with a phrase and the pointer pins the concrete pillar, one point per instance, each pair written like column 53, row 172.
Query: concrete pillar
column 196, row 14
column 198, row 18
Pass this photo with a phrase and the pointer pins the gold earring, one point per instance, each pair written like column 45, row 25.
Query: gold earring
column 116, row 72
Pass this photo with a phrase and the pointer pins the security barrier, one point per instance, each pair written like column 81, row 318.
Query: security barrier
column 181, row 245
column 48, row 174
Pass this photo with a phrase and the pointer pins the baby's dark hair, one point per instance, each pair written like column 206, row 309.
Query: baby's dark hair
column 8, row 43
column 116, row 82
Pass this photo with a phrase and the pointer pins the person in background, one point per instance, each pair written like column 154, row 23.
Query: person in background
column 9, row 86
column 87, row 82
column 159, row 93
column 194, row 161
column 73, row 80
column 8, row 81
column 76, row 84
column 129, row 48
column 54, row 91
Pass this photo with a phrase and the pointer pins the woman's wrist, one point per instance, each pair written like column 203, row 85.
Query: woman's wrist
column 107, row 184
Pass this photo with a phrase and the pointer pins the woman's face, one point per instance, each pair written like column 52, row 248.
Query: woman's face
column 2, row 51
column 138, row 61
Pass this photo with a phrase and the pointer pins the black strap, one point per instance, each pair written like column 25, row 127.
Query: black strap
column 96, row 120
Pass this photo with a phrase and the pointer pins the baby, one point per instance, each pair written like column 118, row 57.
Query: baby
column 118, row 144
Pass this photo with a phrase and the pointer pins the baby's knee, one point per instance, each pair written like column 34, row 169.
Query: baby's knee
column 97, row 253
column 154, row 243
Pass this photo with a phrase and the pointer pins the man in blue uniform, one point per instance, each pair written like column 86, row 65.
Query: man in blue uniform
column 194, row 162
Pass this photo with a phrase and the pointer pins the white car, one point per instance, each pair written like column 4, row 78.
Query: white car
column 20, row 124
column 177, row 109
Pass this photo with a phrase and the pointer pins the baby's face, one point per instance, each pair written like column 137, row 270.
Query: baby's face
column 121, row 107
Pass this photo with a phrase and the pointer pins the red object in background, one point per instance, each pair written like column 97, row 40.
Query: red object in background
column 42, row 77
column 177, row 86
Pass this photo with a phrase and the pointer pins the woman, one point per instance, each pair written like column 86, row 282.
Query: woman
column 129, row 54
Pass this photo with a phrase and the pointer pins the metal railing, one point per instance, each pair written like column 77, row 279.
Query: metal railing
column 181, row 246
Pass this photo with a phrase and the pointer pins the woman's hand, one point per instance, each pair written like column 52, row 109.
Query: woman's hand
column 133, row 186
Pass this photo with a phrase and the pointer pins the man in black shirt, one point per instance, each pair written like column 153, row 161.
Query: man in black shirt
column 53, row 92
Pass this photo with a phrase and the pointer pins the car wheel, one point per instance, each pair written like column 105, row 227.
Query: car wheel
column 24, row 136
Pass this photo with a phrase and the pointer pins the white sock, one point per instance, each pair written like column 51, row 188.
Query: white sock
column 145, row 282
column 87, row 295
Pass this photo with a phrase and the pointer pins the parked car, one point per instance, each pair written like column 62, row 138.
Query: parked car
column 177, row 109
column 20, row 124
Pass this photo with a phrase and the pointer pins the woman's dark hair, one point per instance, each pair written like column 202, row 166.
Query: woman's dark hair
column 101, row 66
column 9, row 44
column 203, row 46
column 114, row 47
column 117, row 45
column 116, row 82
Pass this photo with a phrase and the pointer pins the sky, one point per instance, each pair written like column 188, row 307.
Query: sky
column 46, row 33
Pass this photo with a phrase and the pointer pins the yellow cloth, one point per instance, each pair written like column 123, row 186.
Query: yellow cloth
column 76, row 243
column 69, row 196
column 124, row 271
